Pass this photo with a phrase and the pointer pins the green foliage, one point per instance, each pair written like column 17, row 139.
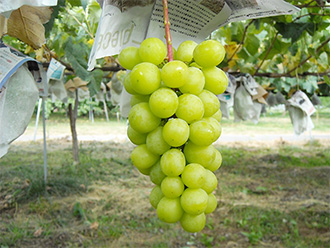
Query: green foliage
column 282, row 44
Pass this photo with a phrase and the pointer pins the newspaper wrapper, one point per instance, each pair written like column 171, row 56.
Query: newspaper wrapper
column 7, row 6
column 227, row 98
column 22, row 80
column 56, row 87
column 128, row 23
column 77, row 84
column 248, row 100
column 17, row 102
column 300, row 111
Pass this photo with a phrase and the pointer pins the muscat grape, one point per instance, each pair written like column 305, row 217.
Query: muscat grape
column 174, row 122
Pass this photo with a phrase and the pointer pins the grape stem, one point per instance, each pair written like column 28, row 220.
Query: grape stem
column 167, row 31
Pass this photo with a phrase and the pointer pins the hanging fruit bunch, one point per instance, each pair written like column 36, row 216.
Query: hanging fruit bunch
column 174, row 121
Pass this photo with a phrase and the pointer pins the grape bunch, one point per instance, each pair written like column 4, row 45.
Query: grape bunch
column 174, row 120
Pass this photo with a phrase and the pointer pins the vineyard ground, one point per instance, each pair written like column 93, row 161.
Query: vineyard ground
column 271, row 192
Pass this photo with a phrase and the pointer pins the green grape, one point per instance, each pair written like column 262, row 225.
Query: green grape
column 152, row 50
column 128, row 85
column 193, row 223
column 172, row 162
column 176, row 132
column 142, row 158
column 217, row 115
column 211, row 182
column 174, row 53
column 155, row 196
column 209, row 53
column 194, row 64
column 195, row 82
column 135, row 137
column 169, row 210
column 211, row 204
column 155, row 141
column 174, row 74
column 194, row 201
column 210, row 101
column 135, row 99
column 129, row 57
column 156, row 174
column 203, row 155
column 202, row 133
column 216, row 80
column 145, row 78
column 172, row 187
column 216, row 127
column 142, row 119
column 191, row 108
column 216, row 163
column 193, row 176
column 163, row 102
column 145, row 172
column 186, row 50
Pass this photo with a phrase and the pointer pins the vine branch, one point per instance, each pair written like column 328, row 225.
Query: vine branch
column 267, row 53
column 305, row 60
column 242, row 41
column 80, row 24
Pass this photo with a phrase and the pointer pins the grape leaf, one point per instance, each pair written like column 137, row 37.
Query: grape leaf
column 326, row 79
column 26, row 24
column 75, row 55
column 49, row 25
column 293, row 30
column 252, row 44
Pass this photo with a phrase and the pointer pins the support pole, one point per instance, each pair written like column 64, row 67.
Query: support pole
column 37, row 119
column 44, row 133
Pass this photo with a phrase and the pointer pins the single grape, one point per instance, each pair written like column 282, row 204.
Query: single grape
column 135, row 99
column 203, row 155
column 155, row 141
column 211, row 204
column 211, row 182
column 217, row 115
column 209, row 53
column 163, row 102
column 174, row 74
column 193, row 176
column 216, row 80
column 129, row 57
column 142, row 158
column 172, row 162
column 155, row 196
column 216, row 163
column 195, row 82
column 217, row 128
column 142, row 119
column 193, row 223
column 194, row 201
column 135, row 137
column 156, row 174
column 176, row 132
column 202, row 133
column 152, row 50
column 210, row 101
column 191, row 108
column 169, row 210
column 145, row 172
column 145, row 78
column 128, row 85
column 172, row 187
column 186, row 50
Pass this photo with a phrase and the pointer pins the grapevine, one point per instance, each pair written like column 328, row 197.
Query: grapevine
column 174, row 121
